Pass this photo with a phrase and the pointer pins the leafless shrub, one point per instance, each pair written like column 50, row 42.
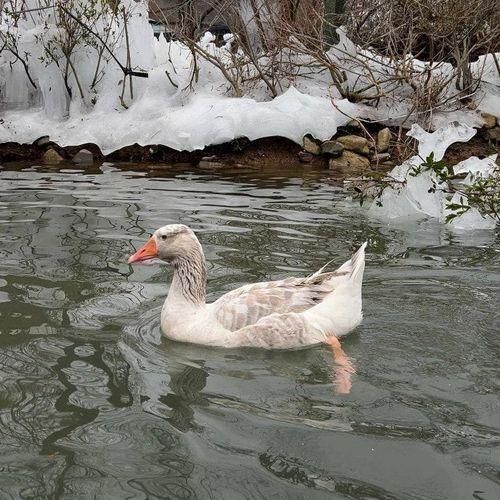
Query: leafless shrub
column 74, row 24
column 69, row 29
column 9, row 41
column 275, row 41
column 256, row 54
column 435, row 31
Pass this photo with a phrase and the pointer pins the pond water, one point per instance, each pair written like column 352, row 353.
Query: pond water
column 95, row 404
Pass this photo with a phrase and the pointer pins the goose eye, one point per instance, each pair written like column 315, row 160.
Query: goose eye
column 163, row 236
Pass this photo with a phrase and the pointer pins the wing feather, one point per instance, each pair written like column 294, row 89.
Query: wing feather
column 277, row 331
column 247, row 305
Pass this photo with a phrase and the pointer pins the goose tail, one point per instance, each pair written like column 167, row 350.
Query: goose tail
column 341, row 310
column 358, row 265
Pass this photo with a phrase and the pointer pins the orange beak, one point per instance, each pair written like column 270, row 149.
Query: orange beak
column 148, row 251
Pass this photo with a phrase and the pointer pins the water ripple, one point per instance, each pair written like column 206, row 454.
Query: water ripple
column 94, row 403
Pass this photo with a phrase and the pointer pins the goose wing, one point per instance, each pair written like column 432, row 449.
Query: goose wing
column 247, row 305
column 278, row 331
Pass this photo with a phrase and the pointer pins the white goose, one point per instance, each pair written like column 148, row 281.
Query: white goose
column 289, row 313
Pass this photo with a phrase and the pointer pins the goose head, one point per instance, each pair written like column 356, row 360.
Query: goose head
column 169, row 243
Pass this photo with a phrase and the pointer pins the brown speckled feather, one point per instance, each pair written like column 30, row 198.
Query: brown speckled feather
column 247, row 305
column 276, row 331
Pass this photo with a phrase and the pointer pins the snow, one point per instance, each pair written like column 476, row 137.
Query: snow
column 490, row 102
column 397, row 101
column 204, row 120
column 423, row 195
column 183, row 112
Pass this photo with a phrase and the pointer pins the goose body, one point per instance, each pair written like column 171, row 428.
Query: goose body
column 284, row 314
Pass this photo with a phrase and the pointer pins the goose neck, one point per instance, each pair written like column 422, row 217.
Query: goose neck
column 190, row 277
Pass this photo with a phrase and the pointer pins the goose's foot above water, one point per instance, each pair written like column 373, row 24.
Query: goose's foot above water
column 343, row 366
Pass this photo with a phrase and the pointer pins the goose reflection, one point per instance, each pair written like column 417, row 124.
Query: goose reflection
column 187, row 385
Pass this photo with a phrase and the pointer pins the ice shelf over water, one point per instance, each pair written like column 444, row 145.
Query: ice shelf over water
column 204, row 120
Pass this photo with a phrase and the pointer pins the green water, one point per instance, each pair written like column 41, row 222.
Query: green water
column 94, row 404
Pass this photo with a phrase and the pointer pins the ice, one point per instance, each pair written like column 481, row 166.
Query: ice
column 465, row 116
column 415, row 198
column 476, row 166
column 422, row 195
column 204, row 120
column 439, row 141
column 470, row 220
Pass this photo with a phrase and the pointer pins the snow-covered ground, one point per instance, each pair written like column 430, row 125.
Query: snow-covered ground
column 204, row 120
column 182, row 111
column 187, row 110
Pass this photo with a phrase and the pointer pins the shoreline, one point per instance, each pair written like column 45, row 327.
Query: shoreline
column 274, row 152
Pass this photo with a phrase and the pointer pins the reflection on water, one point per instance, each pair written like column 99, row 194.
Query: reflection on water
column 94, row 404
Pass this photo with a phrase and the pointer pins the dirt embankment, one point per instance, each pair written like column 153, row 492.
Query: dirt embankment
column 353, row 151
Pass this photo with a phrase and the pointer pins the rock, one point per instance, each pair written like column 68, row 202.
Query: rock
column 42, row 141
column 355, row 143
column 489, row 121
column 52, row 156
column 351, row 161
column 305, row 157
column 332, row 148
column 311, row 146
column 380, row 157
column 209, row 158
column 383, row 140
column 83, row 156
column 494, row 134
column 353, row 124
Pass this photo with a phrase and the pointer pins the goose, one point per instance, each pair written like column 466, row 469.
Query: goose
column 285, row 314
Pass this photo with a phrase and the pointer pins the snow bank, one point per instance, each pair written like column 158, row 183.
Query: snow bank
column 182, row 111
column 204, row 120
column 423, row 195
column 397, row 103
column 183, row 108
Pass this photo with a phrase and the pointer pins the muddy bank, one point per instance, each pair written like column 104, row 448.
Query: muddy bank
column 274, row 150
column 353, row 151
